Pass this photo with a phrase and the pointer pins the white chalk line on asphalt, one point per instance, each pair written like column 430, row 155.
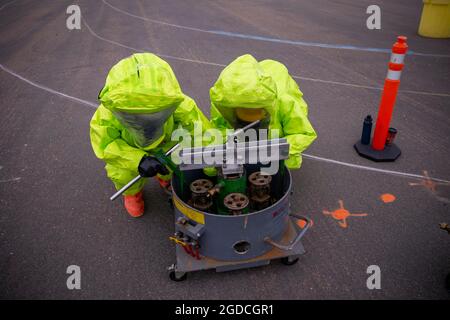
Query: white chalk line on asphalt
column 223, row 65
column 7, row 4
column 305, row 155
column 357, row 166
column 93, row 33
column 269, row 39
column 425, row 93
column 11, row 180
column 42, row 87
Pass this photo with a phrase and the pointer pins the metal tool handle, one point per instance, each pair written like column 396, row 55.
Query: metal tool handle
column 299, row 236
column 125, row 188
column 239, row 131
column 138, row 177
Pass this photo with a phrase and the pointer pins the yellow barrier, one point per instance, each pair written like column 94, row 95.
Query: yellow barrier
column 435, row 20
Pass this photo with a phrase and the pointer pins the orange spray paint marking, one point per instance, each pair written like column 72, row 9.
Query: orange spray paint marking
column 387, row 198
column 428, row 183
column 342, row 214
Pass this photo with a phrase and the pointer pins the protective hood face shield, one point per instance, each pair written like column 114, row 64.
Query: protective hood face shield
column 145, row 128
column 238, row 117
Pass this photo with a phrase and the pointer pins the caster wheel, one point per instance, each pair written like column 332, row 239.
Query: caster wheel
column 173, row 277
column 288, row 262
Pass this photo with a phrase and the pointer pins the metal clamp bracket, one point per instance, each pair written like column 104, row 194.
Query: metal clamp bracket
column 263, row 151
column 193, row 231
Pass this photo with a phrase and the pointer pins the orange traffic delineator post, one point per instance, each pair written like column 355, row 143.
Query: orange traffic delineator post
column 382, row 148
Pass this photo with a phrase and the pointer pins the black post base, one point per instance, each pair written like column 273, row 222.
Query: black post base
column 390, row 153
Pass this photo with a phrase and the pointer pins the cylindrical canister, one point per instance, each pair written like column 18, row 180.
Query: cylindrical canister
column 392, row 132
column 230, row 184
column 236, row 203
column 367, row 130
column 200, row 198
column 259, row 190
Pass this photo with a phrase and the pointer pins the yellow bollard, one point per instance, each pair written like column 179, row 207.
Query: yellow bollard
column 435, row 20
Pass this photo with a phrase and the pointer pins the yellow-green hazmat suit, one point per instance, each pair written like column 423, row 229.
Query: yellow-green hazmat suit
column 141, row 104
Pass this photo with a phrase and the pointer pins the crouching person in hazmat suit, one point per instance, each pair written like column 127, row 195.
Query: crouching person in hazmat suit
column 141, row 105
column 248, row 90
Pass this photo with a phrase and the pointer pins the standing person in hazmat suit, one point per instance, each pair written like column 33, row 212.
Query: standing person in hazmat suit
column 248, row 90
column 141, row 105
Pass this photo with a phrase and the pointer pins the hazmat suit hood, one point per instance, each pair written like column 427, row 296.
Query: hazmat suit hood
column 243, row 84
column 142, row 92
column 248, row 85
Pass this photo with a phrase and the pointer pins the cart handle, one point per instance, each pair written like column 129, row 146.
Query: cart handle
column 299, row 236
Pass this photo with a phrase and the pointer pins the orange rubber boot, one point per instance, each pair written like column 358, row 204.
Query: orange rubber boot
column 165, row 185
column 134, row 204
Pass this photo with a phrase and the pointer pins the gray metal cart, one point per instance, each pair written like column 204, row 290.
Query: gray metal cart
column 228, row 242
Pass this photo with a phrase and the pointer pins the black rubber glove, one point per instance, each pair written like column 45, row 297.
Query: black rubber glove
column 150, row 166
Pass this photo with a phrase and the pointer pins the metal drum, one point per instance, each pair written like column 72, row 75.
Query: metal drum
column 234, row 237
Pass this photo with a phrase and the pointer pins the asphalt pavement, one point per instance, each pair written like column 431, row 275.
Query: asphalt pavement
column 54, row 194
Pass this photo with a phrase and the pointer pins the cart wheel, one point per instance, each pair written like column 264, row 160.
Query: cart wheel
column 288, row 262
column 173, row 276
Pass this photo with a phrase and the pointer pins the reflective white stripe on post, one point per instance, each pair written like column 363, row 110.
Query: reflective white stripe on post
column 397, row 58
column 393, row 75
